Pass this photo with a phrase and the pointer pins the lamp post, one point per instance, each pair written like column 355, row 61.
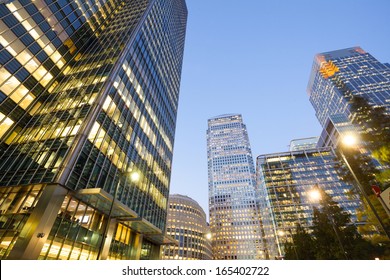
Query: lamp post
column 134, row 177
column 315, row 195
column 349, row 141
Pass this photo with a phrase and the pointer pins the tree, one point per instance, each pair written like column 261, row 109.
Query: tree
column 336, row 237
column 371, row 165
column 374, row 124
column 382, row 154
column 333, row 236
column 362, row 165
column 301, row 246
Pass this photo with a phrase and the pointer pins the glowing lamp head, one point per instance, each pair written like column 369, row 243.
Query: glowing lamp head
column 135, row 177
column 315, row 195
column 349, row 140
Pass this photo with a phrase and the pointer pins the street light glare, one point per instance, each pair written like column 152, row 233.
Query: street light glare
column 349, row 140
column 315, row 195
column 134, row 176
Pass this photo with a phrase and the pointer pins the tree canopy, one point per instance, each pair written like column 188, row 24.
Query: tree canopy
column 332, row 236
column 374, row 125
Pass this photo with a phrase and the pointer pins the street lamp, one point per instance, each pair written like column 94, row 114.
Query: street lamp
column 134, row 177
column 350, row 140
column 315, row 194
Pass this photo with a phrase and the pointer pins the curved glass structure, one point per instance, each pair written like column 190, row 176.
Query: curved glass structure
column 188, row 226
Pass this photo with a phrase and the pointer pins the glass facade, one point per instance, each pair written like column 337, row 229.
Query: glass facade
column 188, row 226
column 303, row 144
column 336, row 127
column 234, row 215
column 338, row 75
column 288, row 178
column 88, row 95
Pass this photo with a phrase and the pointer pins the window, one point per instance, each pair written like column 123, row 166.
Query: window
column 5, row 124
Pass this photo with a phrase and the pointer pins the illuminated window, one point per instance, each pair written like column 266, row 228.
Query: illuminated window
column 5, row 124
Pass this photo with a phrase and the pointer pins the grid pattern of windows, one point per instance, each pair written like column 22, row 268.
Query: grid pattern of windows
column 88, row 92
column 39, row 145
column 234, row 216
column 38, row 43
column 16, row 204
column 336, row 126
column 336, row 77
column 76, row 233
column 288, row 178
column 135, row 128
column 339, row 74
column 187, row 225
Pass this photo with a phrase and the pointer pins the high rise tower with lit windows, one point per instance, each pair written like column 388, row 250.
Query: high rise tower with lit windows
column 338, row 80
column 338, row 75
column 234, row 215
column 88, row 102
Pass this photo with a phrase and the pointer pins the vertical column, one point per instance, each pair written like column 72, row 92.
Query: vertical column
column 155, row 252
column 107, row 240
column 34, row 234
column 137, row 246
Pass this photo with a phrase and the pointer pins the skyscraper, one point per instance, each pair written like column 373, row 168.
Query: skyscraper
column 337, row 75
column 88, row 103
column 234, row 216
column 187, row 224
column 337, row 78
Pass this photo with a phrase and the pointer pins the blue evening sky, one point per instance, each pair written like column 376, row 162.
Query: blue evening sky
column 254, row 57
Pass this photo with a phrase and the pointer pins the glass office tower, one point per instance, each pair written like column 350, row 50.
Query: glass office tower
column 288, row 178
column 88, row 103
column 337, row 75
column 187, row 225
column 234, row 216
